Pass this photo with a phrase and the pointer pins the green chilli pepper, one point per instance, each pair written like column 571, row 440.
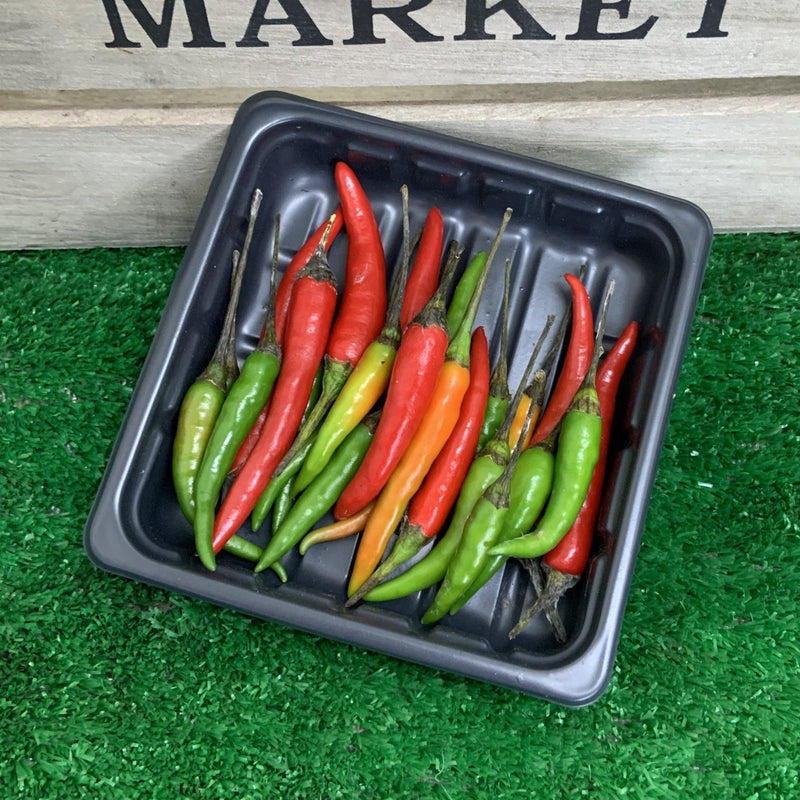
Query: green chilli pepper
column 576, row 457
column 203, row 400
column 246, row 397
column 464, row 290
column 321, row 494
column 531, row 484
column 196, row 418
column 483, row 527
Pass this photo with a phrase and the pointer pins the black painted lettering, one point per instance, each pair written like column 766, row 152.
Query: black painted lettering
column 296, row 15
column 364, row 15
column 589, row 22
column 712, row 18
column 158, row 32
column 477, row 13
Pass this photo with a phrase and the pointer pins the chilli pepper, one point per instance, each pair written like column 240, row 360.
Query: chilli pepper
column 436, row 426
column 283, row 294
column 565, row 563
column 499, row 393
column 298, row 261
column 465, row 286
column 367, row 382
column 362, row 311
column 531, row 484
column 321, row 493
column 480, row 532
column 424, row 275
column 203, row 400
column 432, row 502
column 311, row 311
column 285, row 472
column 420, row 357
column 338, row 529
column 247, row 396
column 484, row 470
column 576, row 457
column 576, row 362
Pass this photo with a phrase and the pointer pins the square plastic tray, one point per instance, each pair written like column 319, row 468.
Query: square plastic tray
column 654, row 247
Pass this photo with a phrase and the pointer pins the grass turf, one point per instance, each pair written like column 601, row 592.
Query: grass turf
column 114, row 689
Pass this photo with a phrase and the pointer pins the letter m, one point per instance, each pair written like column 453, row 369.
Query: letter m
column 158, row 32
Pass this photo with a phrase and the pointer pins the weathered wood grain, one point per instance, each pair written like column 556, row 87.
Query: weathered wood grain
column 101, row 175
column 313, row 44
column 113, row 113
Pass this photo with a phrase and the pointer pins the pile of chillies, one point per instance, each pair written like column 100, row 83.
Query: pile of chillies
column 383, row 408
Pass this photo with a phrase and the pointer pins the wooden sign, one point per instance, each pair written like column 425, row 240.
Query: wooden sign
column 113, row 113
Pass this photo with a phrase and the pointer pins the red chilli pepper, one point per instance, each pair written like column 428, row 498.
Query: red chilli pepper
column 282, row 297
column 570, row 555
column 424, row 276
column 576, row 363
column 412, row 382
column 363, row 307
column 308, row 324
column 300, row 259
column 362, row 310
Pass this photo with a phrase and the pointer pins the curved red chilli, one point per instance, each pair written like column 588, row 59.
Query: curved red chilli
column 576, row 363
column 424, row 276
column 363, row 306
column 299, row 260
column 413, row 380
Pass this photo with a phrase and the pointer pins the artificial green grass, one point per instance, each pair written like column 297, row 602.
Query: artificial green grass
column 114, row 689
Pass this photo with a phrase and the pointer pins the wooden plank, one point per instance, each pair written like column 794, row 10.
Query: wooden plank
column 114, row 174
column 113, row 113
column 346, row 46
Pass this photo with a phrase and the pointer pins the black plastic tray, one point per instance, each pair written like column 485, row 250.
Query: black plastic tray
column 654, row 247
